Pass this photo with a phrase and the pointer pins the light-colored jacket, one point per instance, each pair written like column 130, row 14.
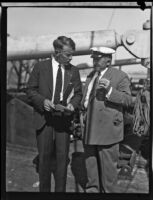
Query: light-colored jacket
column 104, row 118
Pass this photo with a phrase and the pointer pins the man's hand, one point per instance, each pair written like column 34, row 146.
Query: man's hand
column 104, row 83
column 48, row 105
column 70, row 107
column 83, row 117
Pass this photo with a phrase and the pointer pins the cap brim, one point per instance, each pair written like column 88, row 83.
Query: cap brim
column 104, row 50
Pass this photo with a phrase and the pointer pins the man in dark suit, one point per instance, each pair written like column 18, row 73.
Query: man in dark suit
column 54, row 82
column 106, row 92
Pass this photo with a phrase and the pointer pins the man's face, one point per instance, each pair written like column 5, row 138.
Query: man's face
column 101, row 61
column 64, row 56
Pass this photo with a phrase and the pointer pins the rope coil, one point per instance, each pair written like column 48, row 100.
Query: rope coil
column 142, row 113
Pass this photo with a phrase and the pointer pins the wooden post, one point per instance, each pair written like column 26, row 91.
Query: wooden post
column 11, row 121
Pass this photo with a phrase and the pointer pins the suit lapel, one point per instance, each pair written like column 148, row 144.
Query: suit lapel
column 108, row 73
column 67, row 78
column 86, row 89
column 50, row 77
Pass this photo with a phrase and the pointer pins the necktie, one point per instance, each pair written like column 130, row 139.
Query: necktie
column 58, row 87
column 93, row 91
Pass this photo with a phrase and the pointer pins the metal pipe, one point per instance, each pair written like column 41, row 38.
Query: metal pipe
column 41, row 47
column 122, row 62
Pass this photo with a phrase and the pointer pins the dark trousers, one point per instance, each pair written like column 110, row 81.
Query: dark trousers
column 101, row 165
column 53, row 141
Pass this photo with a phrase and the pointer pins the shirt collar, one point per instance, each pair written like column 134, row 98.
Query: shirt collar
column 54, row 62
column 102, row 72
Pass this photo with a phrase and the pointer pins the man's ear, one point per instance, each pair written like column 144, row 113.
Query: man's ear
column 108, row 62
column 57, row 53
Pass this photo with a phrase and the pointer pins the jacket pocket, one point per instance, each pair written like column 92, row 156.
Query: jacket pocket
column 118, row 119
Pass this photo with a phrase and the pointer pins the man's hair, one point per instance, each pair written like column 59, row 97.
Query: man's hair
column 62, row 41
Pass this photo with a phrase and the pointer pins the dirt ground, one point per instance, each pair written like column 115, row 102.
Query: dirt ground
column 21, row 175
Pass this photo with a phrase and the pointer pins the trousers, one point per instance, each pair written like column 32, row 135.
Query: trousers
column 101, row 165
column 53, row 141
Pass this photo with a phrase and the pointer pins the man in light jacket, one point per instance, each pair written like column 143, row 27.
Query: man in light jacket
column 106, row 93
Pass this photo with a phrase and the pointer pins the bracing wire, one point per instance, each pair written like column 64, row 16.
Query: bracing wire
column 110, row 21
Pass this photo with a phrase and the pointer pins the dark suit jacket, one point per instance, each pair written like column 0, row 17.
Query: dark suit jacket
column 40, row 87
column 104, row 120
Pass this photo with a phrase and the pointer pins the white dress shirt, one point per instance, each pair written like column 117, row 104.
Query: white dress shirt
column 90, row 86
column 55, row 66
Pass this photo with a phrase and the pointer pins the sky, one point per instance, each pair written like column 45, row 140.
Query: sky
column 38, row 21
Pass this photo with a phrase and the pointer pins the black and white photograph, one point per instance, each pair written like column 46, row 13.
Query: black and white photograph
column 78, row 98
